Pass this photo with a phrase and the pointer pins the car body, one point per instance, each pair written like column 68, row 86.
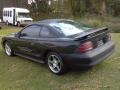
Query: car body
column 61, row 42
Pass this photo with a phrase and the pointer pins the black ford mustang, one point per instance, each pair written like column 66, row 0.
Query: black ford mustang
column 60, row 43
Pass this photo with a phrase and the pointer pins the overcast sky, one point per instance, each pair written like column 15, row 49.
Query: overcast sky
column 30, row 1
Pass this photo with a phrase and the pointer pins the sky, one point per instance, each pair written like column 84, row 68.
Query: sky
column 30, row 1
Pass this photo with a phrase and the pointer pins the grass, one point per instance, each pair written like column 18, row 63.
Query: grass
column 8, row 30
column 17, row 73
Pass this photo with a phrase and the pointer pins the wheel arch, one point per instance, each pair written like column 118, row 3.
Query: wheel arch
column 3, row 43
column 47, row 52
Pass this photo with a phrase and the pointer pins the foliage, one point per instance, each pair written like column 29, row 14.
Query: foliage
column 40, row 7
column 113, row 7
column 97, row 7
column 75, row 8
column 112, row 23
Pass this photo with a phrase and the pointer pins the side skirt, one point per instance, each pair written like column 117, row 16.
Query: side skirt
column 30, row 58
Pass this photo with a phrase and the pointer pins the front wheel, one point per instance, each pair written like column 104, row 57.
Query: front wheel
column 55, row 63
column 18, row 24
column 8, row 49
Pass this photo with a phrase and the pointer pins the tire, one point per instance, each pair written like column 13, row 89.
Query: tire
column 55, row 63
column 7, row 23
column 18, row 24
column 8, row 50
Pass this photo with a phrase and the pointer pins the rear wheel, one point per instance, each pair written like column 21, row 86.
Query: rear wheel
column 55, row 63
column 7, row 23
column 8, row 49
column 18, row 24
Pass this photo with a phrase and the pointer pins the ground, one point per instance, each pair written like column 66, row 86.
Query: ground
column 17, row 73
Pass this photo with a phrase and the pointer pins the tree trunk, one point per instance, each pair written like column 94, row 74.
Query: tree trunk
column 103, row 8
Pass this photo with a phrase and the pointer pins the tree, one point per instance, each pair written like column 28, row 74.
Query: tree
column 76, row 7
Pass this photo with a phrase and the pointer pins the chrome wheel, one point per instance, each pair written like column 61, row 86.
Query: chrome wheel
column 54, row 63
column 8, row 50
column 7, row 23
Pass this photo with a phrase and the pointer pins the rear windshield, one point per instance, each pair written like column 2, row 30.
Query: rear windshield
column 69, row 27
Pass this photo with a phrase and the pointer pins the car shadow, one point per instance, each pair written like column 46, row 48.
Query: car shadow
column 77, row 71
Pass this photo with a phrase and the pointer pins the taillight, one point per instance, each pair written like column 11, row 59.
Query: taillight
column 84, row 47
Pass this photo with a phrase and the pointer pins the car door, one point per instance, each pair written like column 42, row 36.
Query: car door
column 47, row 37
column 27, row 42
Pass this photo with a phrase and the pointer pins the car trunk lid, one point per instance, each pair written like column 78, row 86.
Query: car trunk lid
column 98, row 37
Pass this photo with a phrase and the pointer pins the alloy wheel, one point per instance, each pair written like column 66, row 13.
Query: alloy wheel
column 8, row 49
column 54, row 63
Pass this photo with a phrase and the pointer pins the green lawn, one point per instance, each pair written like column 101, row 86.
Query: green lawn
column 21, row 74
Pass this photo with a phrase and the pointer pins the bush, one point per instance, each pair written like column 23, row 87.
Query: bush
column 111, row 22
column 114, row 28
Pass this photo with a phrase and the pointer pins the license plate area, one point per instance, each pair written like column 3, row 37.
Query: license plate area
column 100, row 43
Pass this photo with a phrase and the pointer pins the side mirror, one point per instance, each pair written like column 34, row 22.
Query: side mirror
column 15, row 34
column 23, row 34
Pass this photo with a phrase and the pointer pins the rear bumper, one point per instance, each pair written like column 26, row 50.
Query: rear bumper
column 90, row 58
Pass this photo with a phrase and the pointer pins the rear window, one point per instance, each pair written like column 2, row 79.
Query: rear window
column 69, row 27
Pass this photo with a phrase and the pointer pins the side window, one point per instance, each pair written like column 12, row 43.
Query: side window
column 31, row 31
column 10, row 13
column 5, row 13
column 45, row 32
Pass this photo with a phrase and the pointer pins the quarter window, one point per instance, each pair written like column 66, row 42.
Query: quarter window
column 45, row 32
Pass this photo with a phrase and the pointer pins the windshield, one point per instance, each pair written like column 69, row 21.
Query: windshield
column 70, row 27
column 23, row 15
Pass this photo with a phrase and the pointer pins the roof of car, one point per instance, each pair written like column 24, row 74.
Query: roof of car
column 48, row 21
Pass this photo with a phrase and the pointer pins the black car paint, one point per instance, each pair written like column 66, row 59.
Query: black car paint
column 90, row 58
column 38, row 48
